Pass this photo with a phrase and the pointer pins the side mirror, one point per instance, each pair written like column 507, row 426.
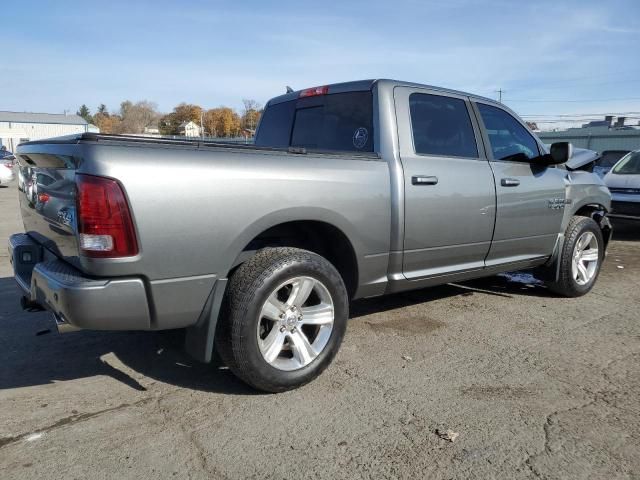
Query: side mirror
column 560, row 152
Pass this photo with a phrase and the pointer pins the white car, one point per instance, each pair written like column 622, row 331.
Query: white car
column 623, row 181
column 6, row 171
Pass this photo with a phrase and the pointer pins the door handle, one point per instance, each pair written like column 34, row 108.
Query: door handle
column 509, row 182
column 423, row 180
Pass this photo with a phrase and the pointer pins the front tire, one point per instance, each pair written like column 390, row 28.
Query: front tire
column 581, row 258
column 283, row 318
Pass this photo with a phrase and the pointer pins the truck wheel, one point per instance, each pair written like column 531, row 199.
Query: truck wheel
column 581, row 258
column 283, row 318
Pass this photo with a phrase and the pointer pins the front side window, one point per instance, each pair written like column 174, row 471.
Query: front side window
column 441, row 126
column 509, row 139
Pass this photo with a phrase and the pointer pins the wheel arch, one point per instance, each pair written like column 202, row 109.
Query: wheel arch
column 597, row 212
column 325, row 233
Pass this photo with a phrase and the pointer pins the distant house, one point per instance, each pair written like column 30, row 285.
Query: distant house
column 151, row 130
column 17, row 127
column 189, row 129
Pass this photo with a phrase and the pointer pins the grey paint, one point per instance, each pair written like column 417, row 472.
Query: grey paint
column 192, row 228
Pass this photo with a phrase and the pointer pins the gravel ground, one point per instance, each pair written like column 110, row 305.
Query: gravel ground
column 534, row 386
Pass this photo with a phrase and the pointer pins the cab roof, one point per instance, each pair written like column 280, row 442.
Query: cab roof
column 363, row 85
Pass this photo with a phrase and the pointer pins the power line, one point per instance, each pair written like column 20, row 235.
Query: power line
column 615, row 114
column 576, row 101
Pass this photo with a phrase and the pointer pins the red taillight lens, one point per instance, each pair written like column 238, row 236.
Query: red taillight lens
column 43, row 197
column 104, row 220
column 312, row 92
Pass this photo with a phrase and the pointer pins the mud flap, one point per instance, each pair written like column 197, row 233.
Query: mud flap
column 199, row 338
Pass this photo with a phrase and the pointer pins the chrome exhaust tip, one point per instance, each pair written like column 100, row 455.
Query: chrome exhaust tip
column 62, row 325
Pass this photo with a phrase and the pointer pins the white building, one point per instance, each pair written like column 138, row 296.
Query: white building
column 189, row 129
column 17, row 127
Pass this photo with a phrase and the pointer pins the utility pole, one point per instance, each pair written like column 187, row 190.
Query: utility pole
column 500, row 92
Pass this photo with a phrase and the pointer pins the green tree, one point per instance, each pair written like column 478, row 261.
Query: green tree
column 84, row 112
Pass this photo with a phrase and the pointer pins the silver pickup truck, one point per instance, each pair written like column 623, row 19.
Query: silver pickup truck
column 351, row 190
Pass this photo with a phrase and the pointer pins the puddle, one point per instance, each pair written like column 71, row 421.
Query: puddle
column 521, row 277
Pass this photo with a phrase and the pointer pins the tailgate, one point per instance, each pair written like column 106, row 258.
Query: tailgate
column 47, row 194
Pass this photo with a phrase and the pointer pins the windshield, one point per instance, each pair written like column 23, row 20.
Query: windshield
column 609, row 158
column 629, row 165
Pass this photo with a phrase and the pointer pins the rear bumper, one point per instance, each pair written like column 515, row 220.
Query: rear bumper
column 77, row 301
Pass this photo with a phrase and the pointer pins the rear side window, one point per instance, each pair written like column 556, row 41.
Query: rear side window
column 441, row 126
column 509, row 139
column 334, row 122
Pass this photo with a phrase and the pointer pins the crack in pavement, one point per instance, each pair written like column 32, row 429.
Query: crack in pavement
column 70, row 420
column 596, row 397
column 190, row 436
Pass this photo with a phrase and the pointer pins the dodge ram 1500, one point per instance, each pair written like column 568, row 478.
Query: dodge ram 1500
column 350, row 190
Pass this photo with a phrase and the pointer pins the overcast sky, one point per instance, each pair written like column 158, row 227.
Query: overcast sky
column 550, row 57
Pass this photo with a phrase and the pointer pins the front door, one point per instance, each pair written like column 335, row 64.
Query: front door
column 530, row 196
column 449, row 188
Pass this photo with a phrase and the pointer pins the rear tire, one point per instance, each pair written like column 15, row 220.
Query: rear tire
column 283, row 318
column 581, row 258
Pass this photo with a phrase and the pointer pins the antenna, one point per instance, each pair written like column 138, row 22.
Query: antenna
column 289, row 89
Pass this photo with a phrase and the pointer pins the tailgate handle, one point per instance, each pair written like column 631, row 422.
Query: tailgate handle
column 424, row 180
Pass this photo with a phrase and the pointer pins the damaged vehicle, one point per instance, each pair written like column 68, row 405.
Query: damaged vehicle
column 352, row 190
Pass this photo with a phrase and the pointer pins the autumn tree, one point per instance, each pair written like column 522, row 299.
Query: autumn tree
column 107, row 123
column 212, row 119
column 185, row 112
column 222, row 122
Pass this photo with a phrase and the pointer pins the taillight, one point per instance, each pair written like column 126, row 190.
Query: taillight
column 312, row 92
column 43, row 197
column 8, row 165
column 104, row 220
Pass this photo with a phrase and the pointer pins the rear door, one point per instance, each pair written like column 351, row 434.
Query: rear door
column 449, row 187
column 530, row 197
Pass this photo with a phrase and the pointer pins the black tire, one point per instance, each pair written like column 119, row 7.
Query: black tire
column 247, row 291
column 566, row 284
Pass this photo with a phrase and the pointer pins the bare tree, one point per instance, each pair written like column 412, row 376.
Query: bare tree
column 137, row 116
column 251, row 114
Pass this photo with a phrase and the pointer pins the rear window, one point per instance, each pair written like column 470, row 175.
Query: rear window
column 335, row 122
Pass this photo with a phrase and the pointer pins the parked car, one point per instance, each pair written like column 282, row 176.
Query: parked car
column 624, row 184
column 351, row 190
column 6, row 171
column 607, row 160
